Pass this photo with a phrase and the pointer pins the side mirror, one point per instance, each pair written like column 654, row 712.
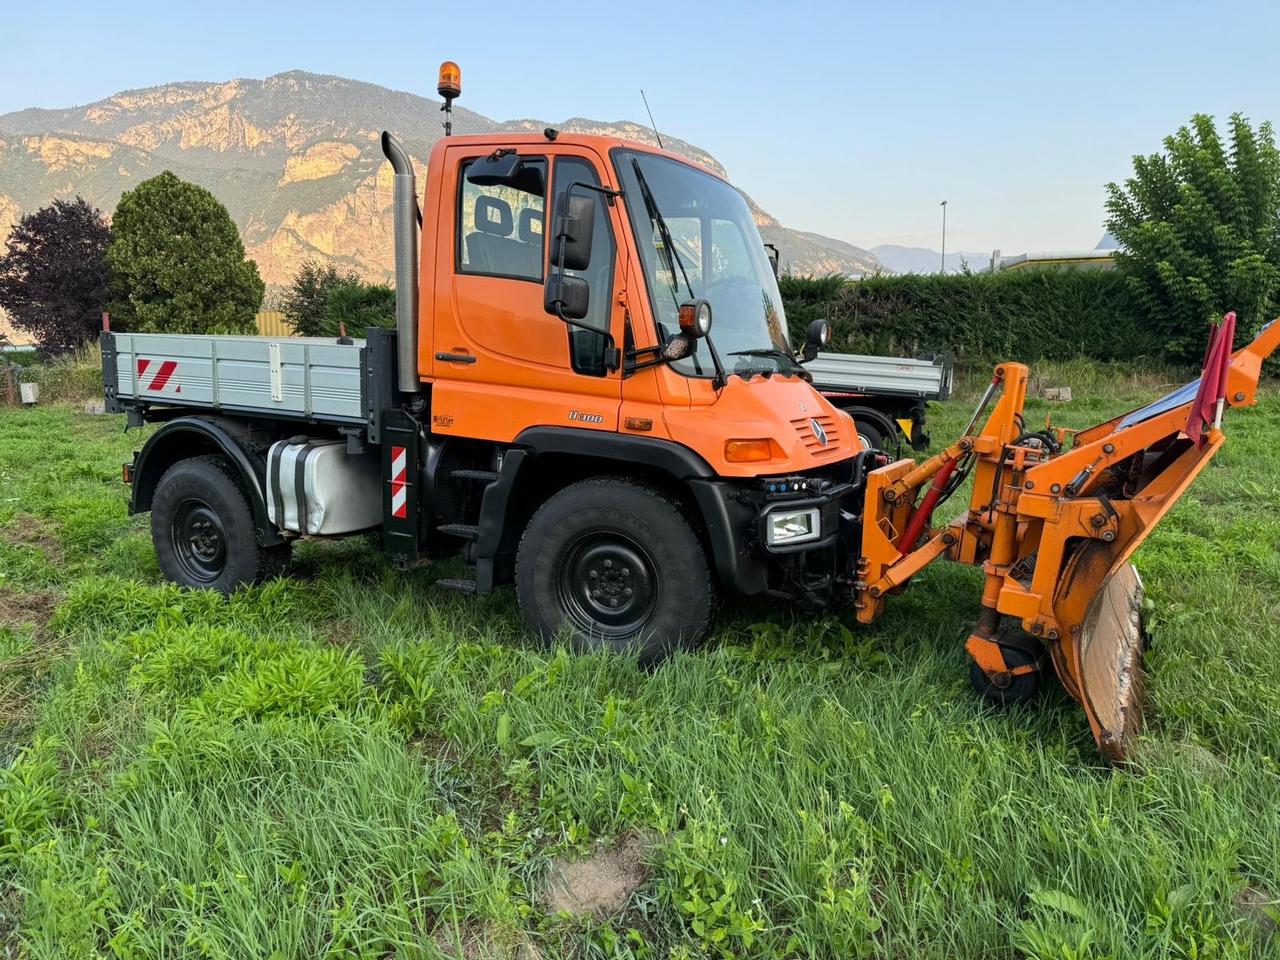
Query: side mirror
column 566, row 297
column 574, row 228
column 818, row 336
column 774, row 258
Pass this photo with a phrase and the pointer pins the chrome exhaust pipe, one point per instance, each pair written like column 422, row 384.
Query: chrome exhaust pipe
column 407, row 220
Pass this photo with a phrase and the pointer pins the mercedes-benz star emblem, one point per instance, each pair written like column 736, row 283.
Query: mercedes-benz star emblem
column 818, row 431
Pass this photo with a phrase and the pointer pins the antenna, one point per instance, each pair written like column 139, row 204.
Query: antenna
column 651, row 123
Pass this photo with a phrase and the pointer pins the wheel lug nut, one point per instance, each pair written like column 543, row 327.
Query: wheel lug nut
column 593, row 574
column 626, row 571
column 608, row 564
column 627, row 592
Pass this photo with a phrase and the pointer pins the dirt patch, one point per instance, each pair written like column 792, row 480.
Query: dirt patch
column 28, row 531
column 599, row 885
column 1259, row 906
column 17, row 609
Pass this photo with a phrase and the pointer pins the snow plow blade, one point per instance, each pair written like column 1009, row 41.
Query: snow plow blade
column 1100, row 664
column 1054, row 518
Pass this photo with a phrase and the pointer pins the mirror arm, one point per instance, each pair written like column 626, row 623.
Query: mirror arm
column 721, row 378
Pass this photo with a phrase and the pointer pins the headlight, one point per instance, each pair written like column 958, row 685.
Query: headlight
column 792, row 526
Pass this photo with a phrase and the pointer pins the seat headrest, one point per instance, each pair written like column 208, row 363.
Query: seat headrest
column 493, row 216
column 529, row 218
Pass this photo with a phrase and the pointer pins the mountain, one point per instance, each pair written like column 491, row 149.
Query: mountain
column 296, row 160
column 901, row 259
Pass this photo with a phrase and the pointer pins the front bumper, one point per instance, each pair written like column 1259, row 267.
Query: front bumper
column 736, row 514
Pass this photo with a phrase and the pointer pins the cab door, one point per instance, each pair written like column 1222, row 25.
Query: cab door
column 502, row 363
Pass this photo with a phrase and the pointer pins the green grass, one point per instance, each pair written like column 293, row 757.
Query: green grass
column 351, row 763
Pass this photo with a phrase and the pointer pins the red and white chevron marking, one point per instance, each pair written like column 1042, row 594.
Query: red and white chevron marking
column 164, row 371
column 399, row 493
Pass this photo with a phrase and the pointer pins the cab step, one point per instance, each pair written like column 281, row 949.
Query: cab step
column 467, row 531
column 462, row 586
column 488, row 476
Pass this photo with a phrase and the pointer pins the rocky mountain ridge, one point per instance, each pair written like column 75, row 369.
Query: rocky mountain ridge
column 295, row 158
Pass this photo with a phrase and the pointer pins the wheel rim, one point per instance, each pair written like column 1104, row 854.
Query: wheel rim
column 199, row 541
column 608, row 585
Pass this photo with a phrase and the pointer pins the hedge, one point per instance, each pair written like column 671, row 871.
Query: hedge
column 1019, row 314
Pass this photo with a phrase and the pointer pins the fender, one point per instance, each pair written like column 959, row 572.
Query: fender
column 186, row 437
column 678, row 462
column 665, row 455
column 891, row 432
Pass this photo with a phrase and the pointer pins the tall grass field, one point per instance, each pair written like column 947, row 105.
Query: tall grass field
column 352, row 763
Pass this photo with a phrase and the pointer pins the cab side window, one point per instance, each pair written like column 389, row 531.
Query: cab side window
column 586, row 348
column 500, row 227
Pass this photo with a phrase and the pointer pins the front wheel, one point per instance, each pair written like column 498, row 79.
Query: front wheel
column 617, row 565
column 203, row 529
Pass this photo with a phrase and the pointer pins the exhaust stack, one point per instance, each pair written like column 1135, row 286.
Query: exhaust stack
column 407, row 220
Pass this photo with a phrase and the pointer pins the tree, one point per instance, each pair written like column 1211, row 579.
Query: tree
column 178, row 264
column 304, row 302
column 1199, row 228
column 53, row 275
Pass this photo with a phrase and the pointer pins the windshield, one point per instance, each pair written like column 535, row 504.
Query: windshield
column 715, row 252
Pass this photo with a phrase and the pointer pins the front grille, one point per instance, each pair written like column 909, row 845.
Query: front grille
column 804, row 427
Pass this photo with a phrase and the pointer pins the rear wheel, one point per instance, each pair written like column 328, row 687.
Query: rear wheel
column 203, row 529
column 870, row 435
column 616, row 565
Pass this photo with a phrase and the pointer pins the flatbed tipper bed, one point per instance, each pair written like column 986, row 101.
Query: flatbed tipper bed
column 307, row 378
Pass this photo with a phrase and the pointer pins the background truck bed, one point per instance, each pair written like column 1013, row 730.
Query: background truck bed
column 922, row 379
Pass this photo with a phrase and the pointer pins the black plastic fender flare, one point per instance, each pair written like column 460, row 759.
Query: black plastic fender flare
column 186, row 437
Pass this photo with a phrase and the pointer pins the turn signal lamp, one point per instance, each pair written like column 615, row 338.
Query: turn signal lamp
column 449, row 85
column 695, row 318
column 747, row 451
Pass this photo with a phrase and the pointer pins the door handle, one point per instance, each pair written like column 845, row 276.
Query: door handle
column 456, row 357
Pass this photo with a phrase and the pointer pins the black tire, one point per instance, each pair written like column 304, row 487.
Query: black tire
column 619, row 566
column 1019, row 650
column 869, row 433
column 203, row 529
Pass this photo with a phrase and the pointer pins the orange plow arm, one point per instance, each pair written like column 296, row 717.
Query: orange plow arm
column 1052, row 521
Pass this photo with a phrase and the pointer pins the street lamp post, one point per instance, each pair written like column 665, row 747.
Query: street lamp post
column 944, row 236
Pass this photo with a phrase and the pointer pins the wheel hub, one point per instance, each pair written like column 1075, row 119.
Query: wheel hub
column 199, row 541
column 608, row 584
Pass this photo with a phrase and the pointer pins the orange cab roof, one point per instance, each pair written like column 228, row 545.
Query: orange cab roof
column 593, row 141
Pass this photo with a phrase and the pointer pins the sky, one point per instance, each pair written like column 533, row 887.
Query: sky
column 854, row 120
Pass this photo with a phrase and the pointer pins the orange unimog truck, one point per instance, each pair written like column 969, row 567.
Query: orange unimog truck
column 590, row 394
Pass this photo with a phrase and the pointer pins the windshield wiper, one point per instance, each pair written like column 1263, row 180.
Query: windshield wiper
column 773, row 353
column 668, row 244
column 674, row 260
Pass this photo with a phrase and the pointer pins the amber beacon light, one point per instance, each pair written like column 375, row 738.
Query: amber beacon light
column 450, row 83
column 449, row 86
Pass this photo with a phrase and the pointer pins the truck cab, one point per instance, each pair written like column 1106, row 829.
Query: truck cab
column 590, row 393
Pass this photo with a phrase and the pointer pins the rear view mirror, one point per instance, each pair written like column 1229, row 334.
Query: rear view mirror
column 574, row 225
column 567, row 297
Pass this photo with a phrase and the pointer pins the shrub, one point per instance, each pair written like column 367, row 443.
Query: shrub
column 1023, row 314
column 178, row 264
column 303, row 302
column 321, row 300
column 358, row 306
